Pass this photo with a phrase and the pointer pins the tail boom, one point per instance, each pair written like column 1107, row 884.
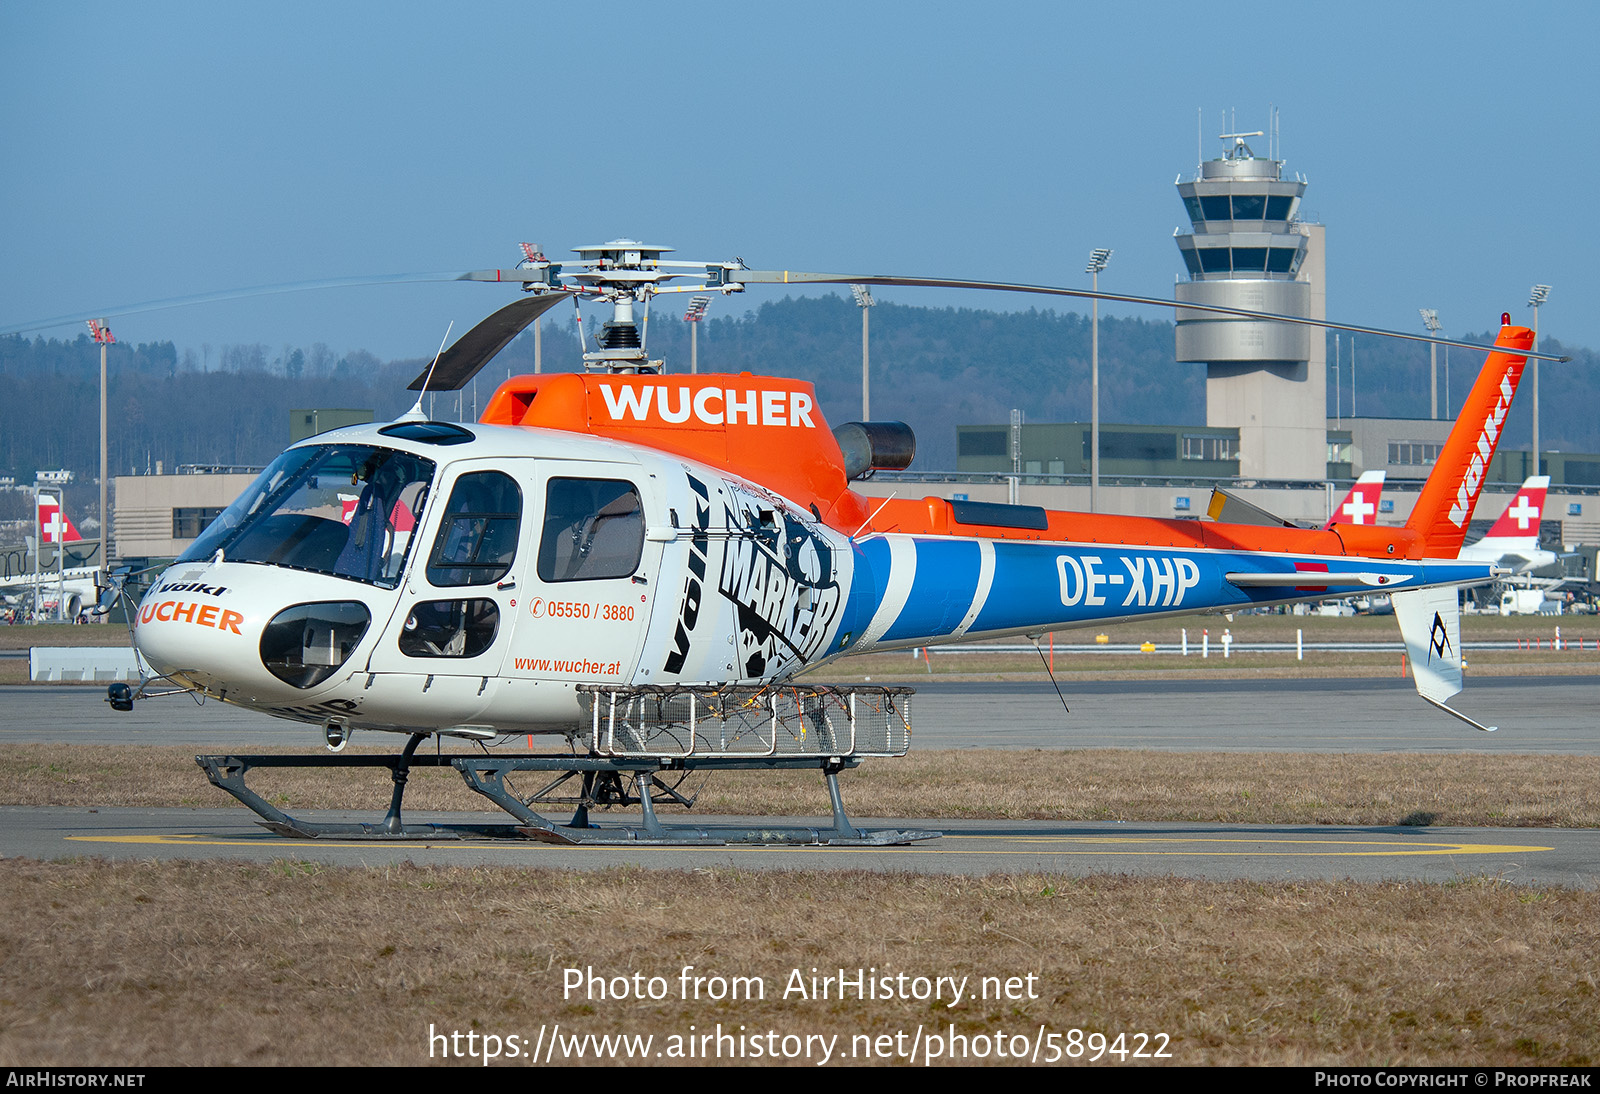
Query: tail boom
column 925, row 590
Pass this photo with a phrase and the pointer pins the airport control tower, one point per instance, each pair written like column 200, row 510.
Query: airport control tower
column 1249, row 249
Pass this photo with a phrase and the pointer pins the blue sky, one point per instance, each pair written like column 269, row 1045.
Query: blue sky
column 158, row 150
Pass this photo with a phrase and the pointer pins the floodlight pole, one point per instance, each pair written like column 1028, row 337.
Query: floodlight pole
column 1448, row 403
column 866, row 370
column 694, row 317
column 865, row 302
column 1536, row 299
column 1099, row 259
column 1430, row 320
column 103, row 335
column 1338, row 389
column 532, row 255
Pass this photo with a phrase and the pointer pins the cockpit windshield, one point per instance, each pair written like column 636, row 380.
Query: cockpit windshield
column 342, row 509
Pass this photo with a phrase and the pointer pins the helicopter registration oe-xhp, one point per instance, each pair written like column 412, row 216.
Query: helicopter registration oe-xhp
column 642, row 563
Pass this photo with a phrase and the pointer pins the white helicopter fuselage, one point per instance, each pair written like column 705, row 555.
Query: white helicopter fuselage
column 606, row 570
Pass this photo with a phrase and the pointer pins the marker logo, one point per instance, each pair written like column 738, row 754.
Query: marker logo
column 1438, row 640
column 1472, row 480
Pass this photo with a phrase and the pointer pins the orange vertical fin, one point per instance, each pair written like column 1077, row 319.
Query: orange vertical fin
column 1444, row 508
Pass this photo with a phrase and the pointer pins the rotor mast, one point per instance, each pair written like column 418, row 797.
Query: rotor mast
column 626, row 274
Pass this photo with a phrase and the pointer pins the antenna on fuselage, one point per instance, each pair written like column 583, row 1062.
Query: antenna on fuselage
column 415, row 414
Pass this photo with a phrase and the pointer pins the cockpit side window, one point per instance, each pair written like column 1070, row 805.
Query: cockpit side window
column 383, row 517
column 339, row 509
column 593, row 528
column 477, row 539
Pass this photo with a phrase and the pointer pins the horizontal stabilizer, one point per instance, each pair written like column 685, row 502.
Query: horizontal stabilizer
column 1430, row 625
column 461, row 362
column 1311, row 579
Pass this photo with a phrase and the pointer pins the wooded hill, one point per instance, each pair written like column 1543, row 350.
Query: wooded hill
column 933, row 368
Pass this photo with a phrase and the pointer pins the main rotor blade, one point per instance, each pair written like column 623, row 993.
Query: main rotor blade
column 269, row 290
column 461, row 362
column 793, row 277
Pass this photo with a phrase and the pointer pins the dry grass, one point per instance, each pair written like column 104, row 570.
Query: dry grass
column 1070, row 657
column 1071, row 661
column 1246, row 628
column 1459, row 789
column 1318, row 665
column 133, row 964
column 62, row 634
column 1316, row 628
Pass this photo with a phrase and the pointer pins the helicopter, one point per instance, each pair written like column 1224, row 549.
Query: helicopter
column 644, row 565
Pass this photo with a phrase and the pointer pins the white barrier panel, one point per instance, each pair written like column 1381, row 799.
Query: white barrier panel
column 54, row 664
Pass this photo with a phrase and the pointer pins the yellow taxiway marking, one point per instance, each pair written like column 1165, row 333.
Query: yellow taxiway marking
column 1264, row 846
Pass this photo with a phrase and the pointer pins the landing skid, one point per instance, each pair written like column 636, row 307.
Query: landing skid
column 602, row 781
